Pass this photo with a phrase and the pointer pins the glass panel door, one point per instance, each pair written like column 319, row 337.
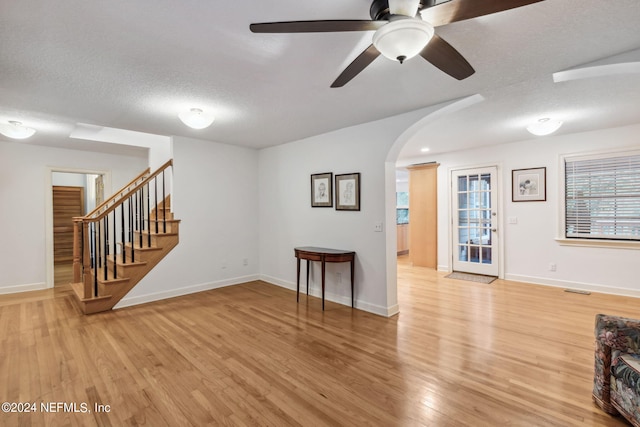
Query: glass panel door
column 475, row 244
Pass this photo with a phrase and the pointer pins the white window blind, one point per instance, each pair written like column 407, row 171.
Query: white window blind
column 602, row 197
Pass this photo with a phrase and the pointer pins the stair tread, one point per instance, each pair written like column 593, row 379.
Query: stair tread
column 143, row 248
column 119, row 263
column 112, row 281
column 78, row 289
column 145, row 232
column 110, row 277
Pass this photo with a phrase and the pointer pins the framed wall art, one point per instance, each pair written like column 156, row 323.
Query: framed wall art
column 348, row 192
column 322, row 190
column 529, row 185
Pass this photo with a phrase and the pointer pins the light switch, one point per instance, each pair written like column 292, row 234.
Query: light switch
column 513, row 220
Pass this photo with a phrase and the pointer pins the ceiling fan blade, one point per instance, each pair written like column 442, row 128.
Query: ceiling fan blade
column 327, row 26
column 447, row 58
column 459, row 10
column 404, row 7
column 358, row 64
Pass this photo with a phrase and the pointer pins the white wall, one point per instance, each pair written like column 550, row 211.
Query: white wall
column 160, row 153
column 69, row 179
column 216, row 198
column 530, row 245
column 159, row 146
column 24, row 191
column 287, row 219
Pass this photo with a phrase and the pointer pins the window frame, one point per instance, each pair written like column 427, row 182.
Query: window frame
column 562, row 238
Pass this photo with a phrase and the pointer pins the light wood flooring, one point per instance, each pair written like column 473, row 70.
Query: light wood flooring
column 62, row 273
column 458, row 354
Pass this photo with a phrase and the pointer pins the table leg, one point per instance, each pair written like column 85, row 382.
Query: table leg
column 323, row 284
column 351, row 263
column 298, row 281
column 308, row 276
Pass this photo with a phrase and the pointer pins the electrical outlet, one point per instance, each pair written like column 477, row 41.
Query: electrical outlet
column 245, row 261
column 552, row 267
column 377, row 227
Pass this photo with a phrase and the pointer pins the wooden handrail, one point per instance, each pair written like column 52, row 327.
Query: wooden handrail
column 117, row 193
column 127, row 192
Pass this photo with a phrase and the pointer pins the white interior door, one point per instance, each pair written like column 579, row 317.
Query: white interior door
column 475, row 204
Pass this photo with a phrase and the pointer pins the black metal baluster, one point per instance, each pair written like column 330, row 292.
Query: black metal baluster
column 98, row 244
column 95, row 259
column 106, row 247
column 115, row 248
column 155, row 185
column 139, row 216
column 164, row 211
column 148, row 217
column 122, row 233
column 131, row 226
column 92, row 245
column 99, row 249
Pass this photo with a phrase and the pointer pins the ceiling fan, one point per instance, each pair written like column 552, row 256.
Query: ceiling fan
column 400, row 32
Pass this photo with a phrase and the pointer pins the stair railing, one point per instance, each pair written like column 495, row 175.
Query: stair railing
column 120, row 222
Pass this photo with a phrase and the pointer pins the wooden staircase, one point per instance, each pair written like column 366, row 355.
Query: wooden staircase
column 122, row 240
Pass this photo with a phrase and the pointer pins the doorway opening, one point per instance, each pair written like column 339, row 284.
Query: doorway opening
column 72, row 193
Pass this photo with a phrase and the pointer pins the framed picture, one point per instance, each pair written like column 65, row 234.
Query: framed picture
column 529, row 185
column 348, row 192
column 322, row 190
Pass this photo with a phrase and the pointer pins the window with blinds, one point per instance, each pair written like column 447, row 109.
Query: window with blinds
column 602, row 197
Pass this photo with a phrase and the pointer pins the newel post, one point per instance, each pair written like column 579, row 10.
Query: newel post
column 77, row 248
column 87, row 278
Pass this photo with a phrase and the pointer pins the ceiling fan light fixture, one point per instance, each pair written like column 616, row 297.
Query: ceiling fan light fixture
column 196, row 118
column 403, row 39
column 16, row 130
column 544, row 126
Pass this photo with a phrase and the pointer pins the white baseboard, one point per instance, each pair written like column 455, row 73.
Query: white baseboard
column 282, row 283
column 392, row 311
column 142, row 299
column 339, row 299
column 23, row 288
column 566, row 284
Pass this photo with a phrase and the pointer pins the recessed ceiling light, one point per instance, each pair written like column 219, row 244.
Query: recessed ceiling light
column 196, row 118
column 424, row 150
column 544, row 126
column 16, row 130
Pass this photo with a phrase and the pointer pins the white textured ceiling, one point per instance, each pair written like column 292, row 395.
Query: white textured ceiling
column 135, row 64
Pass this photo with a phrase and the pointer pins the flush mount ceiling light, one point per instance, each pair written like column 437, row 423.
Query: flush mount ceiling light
column 402, row 39
column 196, row 118
column 544, row 126
column 16, row 130
column 424, row 150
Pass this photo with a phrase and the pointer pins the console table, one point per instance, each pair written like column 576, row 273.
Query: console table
column 324, row 255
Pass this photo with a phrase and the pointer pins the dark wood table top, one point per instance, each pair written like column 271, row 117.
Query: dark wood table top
column 318, row 250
